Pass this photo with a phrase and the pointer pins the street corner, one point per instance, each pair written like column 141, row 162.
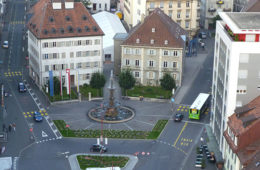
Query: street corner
column 31, row 113
column 13, row 74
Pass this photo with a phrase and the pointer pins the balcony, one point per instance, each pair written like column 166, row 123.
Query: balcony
column 227, row 9
column 211, row 10
column 220, row 2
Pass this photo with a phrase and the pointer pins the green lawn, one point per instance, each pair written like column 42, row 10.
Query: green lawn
column 149, row 92
column 85, row 89
column 87, row 161
column 125, row 134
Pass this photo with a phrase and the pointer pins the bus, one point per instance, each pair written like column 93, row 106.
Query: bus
column 199, row 106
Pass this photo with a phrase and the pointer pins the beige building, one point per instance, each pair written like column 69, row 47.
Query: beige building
column 185, row 12
column 156, row 46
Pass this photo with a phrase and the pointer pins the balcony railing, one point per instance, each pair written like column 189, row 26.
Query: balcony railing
column 227, row 9
column 212, row 10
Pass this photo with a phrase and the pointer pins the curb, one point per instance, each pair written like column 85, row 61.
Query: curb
column 129, row 165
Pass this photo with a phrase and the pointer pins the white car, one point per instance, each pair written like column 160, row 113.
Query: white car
column 5, row 44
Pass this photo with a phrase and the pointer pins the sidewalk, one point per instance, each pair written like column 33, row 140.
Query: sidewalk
column 129, row 166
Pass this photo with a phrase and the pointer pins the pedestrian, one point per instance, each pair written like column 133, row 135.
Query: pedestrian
column 3, row 127
column 10, row 127
column 3, row 150
column 14, row 126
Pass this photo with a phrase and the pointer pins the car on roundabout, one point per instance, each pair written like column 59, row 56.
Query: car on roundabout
column 98, row 148
column 37, row 116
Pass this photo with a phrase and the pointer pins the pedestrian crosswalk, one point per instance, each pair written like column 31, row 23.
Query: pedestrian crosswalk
column 12, row 74
column 17, row 22
column 30, row 114
column 183, row 108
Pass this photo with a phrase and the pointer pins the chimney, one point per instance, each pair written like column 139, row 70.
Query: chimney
column 56, row 4
column 69, row 4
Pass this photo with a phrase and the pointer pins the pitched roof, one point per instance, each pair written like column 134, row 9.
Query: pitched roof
column 47, row 22
column 252, row 6
column 165, row 29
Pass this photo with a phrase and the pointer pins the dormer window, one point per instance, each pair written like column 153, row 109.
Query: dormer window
column 166, row 42
column 152, row 41
column 137, row 40
column 153, row 29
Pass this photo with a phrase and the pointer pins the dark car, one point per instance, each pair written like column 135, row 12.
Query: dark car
column 37, row 117
column 21, row 87
column 178, row 117
column 98, row 148
column 202, row 35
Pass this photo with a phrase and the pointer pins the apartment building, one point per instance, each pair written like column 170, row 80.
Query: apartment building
column 242, row 137
column 99, row 5
column 250, row 6
column 210, row 9
column 236, row 71
column 154, row 47
column 63, row 35
column 184, row 12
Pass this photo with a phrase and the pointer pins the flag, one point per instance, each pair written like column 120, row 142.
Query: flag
column 60, row 83
column 51, row 83
column 77, row 79
column 68, row 80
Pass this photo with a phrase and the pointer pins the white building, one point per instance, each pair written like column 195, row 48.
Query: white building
column 236, row 72
column 111, row 25
column 63, row 36
column 99, row 5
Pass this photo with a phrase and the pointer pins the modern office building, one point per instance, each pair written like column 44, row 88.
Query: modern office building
column 61, row 36
column 236, row 72
column 155, row 47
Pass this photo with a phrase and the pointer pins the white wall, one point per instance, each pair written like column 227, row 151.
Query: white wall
column 102, row 2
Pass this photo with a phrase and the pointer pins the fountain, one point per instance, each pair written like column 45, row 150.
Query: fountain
column 111, row 111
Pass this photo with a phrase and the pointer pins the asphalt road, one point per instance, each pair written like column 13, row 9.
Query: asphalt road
column 171, row 151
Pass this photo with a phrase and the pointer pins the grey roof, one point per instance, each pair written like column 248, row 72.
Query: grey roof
column 246, row 20
column 121, row 36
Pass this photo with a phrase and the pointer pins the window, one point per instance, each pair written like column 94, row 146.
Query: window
column 88, row 42
column 87, row 76
column 137, row 40
column 152, row 5
column 179, row 22
column 151, row 52
column 45, row 45
column 105, row 6
column 165, row 64
column 151, row 63
column 165, row 53
column 179, row 3
column 97, row 42
column 166, row 42
column 178, row 14
column 87, row 64
column 161, row 4
column 54, row 44
column 242, row 74
column 127, row 51
column 71, row 65
column 174, row 64
column 153, row 29
column 188, row 4
column 198, row 13
column 152, row 41
column 46, row 67
column 71, row 54
column 187, row 24
column 170, row 13
column 136, row 62
column 137, row 51
column 127, row 62
column 78, row 54
column 68, row 43
column 136, row 74
column 198, row 3
column 63, row 55
column 79, row 65
column 170, row 4
column 99, row 5
column 79, row 42
column 96, row 64
column 54, row 56
column 175, row 53
column 187, row 13
column 174, row 75
column 46, row 56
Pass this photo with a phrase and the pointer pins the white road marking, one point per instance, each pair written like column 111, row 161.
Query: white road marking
column 44, row 134
column 199, row 123
column 128, row 126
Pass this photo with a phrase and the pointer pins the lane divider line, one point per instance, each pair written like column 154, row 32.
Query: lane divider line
column 186, row 123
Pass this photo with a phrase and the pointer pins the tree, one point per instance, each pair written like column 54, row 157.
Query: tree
column 167, row 82
column 215, row 21
column 126, row 80
column 97, row 81
column 86, row 3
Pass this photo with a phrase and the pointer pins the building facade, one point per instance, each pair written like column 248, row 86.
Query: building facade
column 236, row 71
column 210, row 9
column 185, row 12
column 155, row 47
column 242, row 137
column 99, row 5
column 58, row 39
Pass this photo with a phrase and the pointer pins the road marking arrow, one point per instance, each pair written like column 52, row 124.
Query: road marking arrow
column 44, row 135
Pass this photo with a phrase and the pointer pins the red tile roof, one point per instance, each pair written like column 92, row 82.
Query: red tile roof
column 165, row 29
column 47, row 22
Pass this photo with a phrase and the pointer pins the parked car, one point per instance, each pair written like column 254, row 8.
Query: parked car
column 21, row 87
column 203, row 35
column 178, row 117
column 5, row 44
column 98, row 148
column 37, row 117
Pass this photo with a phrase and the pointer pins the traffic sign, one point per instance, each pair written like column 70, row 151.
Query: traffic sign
column 172, row 99
column 31, row 129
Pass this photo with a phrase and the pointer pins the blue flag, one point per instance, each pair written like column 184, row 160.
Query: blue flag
column 51, row 83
